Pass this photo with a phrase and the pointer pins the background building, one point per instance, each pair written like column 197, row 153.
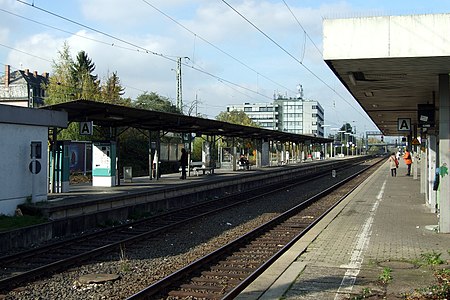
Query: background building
column 294, row 115
column 265, row 114
column 23, row 88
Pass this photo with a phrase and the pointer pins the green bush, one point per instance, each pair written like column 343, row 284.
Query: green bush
column 14, row 222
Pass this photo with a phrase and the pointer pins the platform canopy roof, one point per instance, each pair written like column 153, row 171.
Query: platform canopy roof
column 391, row 65
column 109, row 115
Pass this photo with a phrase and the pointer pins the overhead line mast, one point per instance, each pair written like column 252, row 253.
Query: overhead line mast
column 179, row 84
column 179, row 87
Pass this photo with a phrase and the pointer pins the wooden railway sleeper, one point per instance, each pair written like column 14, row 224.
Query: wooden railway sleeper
column 258, row 250
column 239, row 261
column 232, row 269
column 272, row 241
column 184, row 295
column 224, row 274
column 213, row 288
column 215, row 280
column 240, row 264
column 268, row 242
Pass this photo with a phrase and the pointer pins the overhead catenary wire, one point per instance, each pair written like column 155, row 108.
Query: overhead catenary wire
column 199, row 70
column 95, row 30
column 205, row 72
column 212, row 45
column 301, row 26
column 44, row 59
column 143, row 50
column 23, row 52
column 294, row 58
column 66, row 31
column 140, row 48
column 307, row 36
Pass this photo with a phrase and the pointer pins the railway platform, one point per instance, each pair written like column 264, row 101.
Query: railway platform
column 86, row 207
column 379, row 233
column 84, row 199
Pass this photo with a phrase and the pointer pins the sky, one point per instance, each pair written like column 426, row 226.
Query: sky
column 232, row 51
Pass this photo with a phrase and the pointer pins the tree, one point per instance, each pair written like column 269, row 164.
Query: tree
column 346, row 128
column 83, row 64
column 236, row 117
column 134, row 143
column 239, row 118
column 61, row 84
column 153, row 101
column 86, row 84
column 133, row 149
column 112, row 91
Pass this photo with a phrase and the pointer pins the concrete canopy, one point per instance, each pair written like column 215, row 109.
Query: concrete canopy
column 390, row 64
column 115, row 116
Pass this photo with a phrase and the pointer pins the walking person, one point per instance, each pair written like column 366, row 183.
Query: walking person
column 408, row 161
column 183, row 162
column 393, row 164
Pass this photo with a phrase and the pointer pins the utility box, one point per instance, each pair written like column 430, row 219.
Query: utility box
column 104, row 164
column 127, row 174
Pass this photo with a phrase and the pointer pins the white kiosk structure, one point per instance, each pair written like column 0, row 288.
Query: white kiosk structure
column 24, row 154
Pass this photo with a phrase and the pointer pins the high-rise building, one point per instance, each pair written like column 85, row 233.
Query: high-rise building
column 265, row 114
column 294, row 115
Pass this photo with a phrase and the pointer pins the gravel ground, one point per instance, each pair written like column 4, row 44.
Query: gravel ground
column 140, row 265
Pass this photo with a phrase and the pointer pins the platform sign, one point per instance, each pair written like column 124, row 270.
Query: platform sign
column 86, row 128
column 404, row 124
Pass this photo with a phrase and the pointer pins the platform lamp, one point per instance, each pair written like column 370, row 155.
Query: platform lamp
column 346, row 140
column 340, row 138
column 355, row 136
column 331, row 149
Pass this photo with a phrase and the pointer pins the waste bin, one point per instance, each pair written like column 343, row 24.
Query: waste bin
column 127, row 174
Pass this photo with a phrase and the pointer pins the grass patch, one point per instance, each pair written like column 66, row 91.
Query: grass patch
column 431, row 259
column 365, row 293
column 135, row 215
column 386, row 276
column 15, row 222
column 443, row 276
column 437, row 291
column 440, row 290
column 124, row 263
column 109, row 223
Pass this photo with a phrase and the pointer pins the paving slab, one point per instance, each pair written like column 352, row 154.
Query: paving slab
column 383, row 227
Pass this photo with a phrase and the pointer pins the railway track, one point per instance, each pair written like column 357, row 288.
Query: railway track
column 26, row 266
column 224, row 273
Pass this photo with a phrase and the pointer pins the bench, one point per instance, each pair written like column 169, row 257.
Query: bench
column 242, row 166
column 198, row 166
column 210, row 170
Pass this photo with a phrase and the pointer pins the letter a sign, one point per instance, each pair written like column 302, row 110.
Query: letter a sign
column 86, row 128
column 404, row 124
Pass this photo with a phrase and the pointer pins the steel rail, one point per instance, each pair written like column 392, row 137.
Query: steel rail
column 203, row 263
column 169, row 220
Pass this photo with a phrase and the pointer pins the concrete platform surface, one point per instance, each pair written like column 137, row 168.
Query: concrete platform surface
column 383, row 225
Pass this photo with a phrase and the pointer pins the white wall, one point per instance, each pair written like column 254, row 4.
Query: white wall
column 390, row 36
column 15, row 176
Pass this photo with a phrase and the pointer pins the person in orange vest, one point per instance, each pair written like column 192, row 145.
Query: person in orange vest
column 408, row 161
